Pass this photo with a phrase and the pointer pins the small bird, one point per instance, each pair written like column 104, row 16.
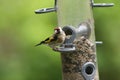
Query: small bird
column 56, row 39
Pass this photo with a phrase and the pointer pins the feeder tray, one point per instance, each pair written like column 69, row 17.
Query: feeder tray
column 67, row 47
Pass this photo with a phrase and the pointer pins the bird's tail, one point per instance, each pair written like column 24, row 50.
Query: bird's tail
column 42, row 42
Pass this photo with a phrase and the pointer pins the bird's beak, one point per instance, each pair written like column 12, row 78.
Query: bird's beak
column 55, row 31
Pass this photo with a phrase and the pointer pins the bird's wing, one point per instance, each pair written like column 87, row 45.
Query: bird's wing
column 51, row 39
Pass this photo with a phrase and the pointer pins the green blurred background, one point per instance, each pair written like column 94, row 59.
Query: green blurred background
column 21, row 29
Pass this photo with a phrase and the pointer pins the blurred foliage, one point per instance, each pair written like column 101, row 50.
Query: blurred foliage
column 107, row 22
column 21, row 29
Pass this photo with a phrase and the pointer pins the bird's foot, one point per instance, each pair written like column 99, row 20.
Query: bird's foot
column 55, row 49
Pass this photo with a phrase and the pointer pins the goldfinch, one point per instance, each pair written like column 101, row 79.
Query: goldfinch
column 56, row 39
